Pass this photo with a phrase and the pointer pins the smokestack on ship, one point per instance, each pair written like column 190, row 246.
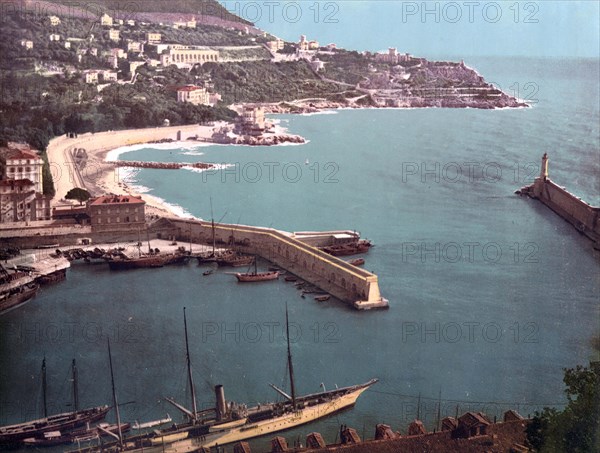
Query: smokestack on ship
column 221, row 406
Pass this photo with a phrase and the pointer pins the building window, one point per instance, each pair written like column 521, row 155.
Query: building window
column 118, row 219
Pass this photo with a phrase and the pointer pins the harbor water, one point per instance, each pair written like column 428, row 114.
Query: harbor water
column 491, row 295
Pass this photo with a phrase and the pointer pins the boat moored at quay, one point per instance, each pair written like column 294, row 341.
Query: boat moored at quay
column 230, row 422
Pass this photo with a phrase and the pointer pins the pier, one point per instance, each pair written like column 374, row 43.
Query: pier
column 297, row 254
column 584, row 217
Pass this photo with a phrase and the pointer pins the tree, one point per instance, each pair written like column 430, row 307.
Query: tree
column 78, row 194
column 577, row 427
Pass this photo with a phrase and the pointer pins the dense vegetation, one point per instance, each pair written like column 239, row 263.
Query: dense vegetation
column 576, row 428
column 263, row 81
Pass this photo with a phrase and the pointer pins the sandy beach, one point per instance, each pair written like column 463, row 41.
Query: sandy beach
column 101, row 177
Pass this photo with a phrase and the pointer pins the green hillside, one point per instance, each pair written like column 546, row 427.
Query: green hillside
column 199, row 7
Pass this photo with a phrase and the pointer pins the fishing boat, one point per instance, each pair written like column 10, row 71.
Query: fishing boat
column 234, row 259
column 14, row 435
column 150, row 260
column 230, row 422
column 357, row 262
column 322, row 298
column 256, row 276
column 348, row 248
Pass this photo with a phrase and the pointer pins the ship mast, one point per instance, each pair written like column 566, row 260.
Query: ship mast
column 212, row 219
column 75, row 390
column 114, row 395
column 44, row 387
column 290, row 366
column 189, row 367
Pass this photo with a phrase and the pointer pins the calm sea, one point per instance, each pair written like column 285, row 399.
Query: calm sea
column 491, row 295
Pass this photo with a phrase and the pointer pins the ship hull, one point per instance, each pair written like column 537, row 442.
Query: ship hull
column 14, row 300
column 251, row 430
column 264, row 277
column 61, row 422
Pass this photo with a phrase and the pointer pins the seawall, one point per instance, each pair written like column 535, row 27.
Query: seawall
column 584, row 217
column 349, row 283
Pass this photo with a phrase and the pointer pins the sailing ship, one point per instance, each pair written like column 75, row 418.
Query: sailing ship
column 15, row 435
column 256, row 276
column 227, row 423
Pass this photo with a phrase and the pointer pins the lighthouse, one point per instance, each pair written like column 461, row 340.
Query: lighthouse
column 544, row 170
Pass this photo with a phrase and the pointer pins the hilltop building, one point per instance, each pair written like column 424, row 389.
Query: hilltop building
column 91, row 77
column 114, row 35
column 135, row 46
column 187, row 56
column 181, row 23
column 27, row 44
column 54, row 20
column 196, row 95
column 106, row 20
column 54, row 37
column 392, row 57
column 276, row 45
column 153, row 38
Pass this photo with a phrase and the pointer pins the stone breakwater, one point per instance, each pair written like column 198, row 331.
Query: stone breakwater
column 262, row 140
column 163, row 165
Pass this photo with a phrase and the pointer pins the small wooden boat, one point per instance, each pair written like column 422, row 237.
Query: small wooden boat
column 323, row 298
column 205, row 273
column 256, row 276
column 357, row 262
column 291, row 278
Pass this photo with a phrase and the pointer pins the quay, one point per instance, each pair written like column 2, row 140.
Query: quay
column 584, row 217
column 297, row 253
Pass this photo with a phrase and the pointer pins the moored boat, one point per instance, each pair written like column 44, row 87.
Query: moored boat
column 12, row 435
column 249, row 277
column 357, row 262
column 348, row 248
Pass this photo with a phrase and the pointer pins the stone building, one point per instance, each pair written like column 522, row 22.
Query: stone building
column 187, row 56
column 117, row 212
column 153, row 38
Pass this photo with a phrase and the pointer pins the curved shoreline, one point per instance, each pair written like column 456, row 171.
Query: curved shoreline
column 101, row 176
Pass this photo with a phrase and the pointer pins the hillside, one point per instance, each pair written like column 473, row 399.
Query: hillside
column 209, row 12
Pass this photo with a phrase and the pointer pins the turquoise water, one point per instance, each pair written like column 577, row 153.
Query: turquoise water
column 491, row 295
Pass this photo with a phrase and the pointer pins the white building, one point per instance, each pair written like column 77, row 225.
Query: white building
column 135, row 46
column 188, row 56
column 193, row 94
column 153, row 38
column 109, row 76
column 54, row 37
column 27, row 44
column 54, row 20
column 91, row 77
column 114, row 35
column 22, row 162
column 106, row 20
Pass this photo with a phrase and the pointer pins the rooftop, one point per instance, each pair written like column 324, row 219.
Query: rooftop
column 18, row 151
column 116, row 199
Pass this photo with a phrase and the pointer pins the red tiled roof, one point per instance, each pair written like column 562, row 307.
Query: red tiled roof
column 116, row 199
column 18, row 151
